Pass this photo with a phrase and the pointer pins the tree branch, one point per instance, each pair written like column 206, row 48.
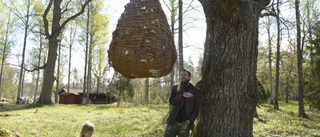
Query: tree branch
column 45, row 21
column 66, row 9
column 268, row 14
column 71, row 18
column 34, row 69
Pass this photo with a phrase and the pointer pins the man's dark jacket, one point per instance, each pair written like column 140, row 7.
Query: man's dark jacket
column 191, row 104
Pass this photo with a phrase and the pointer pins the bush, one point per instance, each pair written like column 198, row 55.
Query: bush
column 313, row 94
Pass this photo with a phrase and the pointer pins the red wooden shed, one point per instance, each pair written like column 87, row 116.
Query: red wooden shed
column 73, row 97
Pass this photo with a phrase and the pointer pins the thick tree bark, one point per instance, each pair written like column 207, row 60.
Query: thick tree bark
column 299, row 51
column 228, row 89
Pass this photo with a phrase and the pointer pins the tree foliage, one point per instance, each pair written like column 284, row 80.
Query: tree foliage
column 122, row 88
column 313, row 73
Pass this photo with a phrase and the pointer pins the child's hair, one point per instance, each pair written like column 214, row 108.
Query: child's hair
column 87, row 127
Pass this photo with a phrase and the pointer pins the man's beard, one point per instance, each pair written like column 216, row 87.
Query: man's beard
column 183, row 85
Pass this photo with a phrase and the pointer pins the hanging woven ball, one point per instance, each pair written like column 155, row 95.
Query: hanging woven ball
column 142, row 44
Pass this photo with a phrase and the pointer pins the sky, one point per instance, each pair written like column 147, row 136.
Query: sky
column 193, row 36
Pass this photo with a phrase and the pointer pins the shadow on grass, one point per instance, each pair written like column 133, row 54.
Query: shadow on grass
column 13, row 106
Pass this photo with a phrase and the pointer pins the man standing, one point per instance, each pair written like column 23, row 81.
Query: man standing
column 184, row 99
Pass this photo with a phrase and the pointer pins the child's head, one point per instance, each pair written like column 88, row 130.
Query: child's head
column 87, row 129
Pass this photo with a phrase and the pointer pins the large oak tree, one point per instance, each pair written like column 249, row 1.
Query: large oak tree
column 56, row 28
column 229, row 84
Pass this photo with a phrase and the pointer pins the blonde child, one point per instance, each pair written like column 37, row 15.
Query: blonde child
column 87, row 130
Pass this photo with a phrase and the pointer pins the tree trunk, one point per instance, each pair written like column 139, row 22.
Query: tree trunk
column 98, row 84
column 22, row 83
column 2, row 64
column 228, row 89
column 299, row 51
column 89, row 54
column 48, row 80
column 287, row 90
column 119, row 99
column 72, row 36
column 58, row 75
column 39, row 59
column 309, row 21
column 23, row 55
column 173, row 12
column 270, row 62
column 69, row 64
column 4, row 52
column 276, row 92
column 180, row 41
column 146, row 95
column 89, row 69
column 86, row 62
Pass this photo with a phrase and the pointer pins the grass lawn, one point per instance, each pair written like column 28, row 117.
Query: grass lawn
column 285, row 122
column 66, row 120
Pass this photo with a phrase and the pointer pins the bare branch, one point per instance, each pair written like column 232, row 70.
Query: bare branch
column 188, row 7
column 268, row 14
column 34, row 69
column 45, row 21
column 167, row 5
column 66, row 9
column 72, row 17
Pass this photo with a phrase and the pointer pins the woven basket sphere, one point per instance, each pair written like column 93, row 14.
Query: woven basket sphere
column 142, row 44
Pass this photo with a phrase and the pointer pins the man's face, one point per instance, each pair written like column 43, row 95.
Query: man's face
column 184, row 76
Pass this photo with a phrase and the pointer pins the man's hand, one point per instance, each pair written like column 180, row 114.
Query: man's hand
column 188, row 122
column 187, row 95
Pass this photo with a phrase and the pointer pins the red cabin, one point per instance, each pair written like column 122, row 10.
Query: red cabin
column 73, row 97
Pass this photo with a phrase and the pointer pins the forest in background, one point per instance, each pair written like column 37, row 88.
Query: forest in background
column 88, row 35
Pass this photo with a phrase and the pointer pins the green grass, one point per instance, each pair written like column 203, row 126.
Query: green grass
column 285, row 122
column 66, row 120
